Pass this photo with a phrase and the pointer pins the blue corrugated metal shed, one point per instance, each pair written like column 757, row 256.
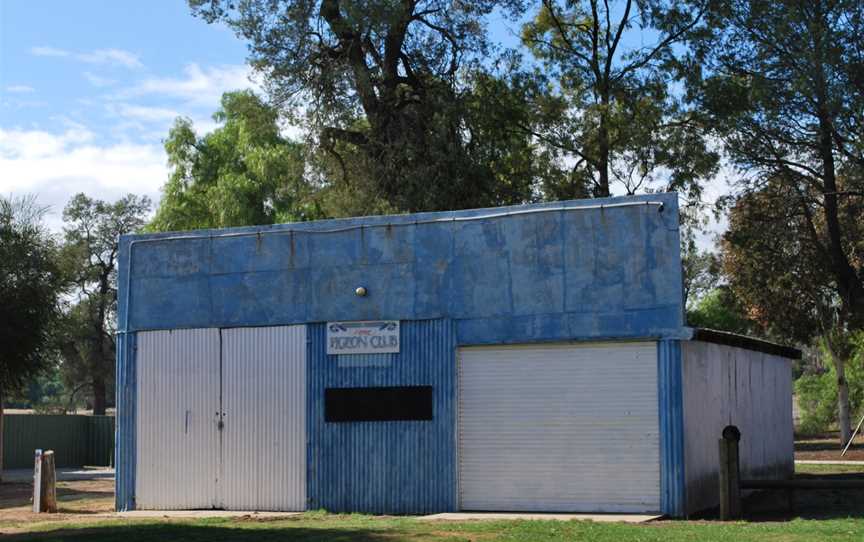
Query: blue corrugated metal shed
column 578, row 270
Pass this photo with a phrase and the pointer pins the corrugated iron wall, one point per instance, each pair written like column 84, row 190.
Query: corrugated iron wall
column 395, row 467
column 76, row 440
column 177, row 396
column 669, row 372
column 264, row 406
column 727, row 385
column 124, row 489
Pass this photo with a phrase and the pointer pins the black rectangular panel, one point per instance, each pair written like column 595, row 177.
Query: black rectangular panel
column 378, row 404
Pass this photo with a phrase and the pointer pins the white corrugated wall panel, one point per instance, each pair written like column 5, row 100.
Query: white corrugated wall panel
column 177, row 404
column 264, row 406
column 559, row 428
column 727, row 385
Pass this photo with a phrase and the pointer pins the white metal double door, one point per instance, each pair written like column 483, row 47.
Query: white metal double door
column 221, row 419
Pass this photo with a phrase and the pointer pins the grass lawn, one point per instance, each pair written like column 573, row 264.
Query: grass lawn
column 829, row 469
column 316, row 526
column 819, row 515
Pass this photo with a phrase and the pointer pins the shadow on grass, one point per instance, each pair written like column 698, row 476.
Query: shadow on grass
column 829, row 443
column 222, row 533
column 23, row 496
column 775, row 505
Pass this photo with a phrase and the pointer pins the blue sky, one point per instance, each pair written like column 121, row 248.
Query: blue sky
column 89, row 88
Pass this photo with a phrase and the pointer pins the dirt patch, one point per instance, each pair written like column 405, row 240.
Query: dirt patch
column 75, row 500
column 827, row 448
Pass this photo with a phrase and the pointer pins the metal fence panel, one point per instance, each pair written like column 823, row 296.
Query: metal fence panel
column 76, row 440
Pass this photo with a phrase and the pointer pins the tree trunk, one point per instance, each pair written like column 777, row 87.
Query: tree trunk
column 843, row 410
column 849, row 284
column 98, row 395
column 843, row 414
column 602, row 188
column 1, row 432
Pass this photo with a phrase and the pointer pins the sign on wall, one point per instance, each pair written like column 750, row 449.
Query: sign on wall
column 380, row 337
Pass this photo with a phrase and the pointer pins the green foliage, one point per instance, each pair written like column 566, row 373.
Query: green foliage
column 719, row 309
column 388, row 94
column 774, row 266
column 45, row 393
column 244, row 172
column 817, row 393
column 780, row 82
column 29, row 288
column 612, row 108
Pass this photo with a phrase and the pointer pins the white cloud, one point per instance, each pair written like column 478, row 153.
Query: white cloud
column 19, row 88
column 55, row 166
column 98, row 81
column 49, row 51
column 146, row 113
column 112, row 56
column 199, row 87
column 117, row 57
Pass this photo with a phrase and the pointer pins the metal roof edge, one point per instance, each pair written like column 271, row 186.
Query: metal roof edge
column 743, row 341
column 407, row 219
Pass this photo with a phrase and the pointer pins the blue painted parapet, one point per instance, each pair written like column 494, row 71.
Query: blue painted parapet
column 573, row 270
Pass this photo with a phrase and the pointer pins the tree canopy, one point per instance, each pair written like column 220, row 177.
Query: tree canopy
column 782, row 84
column 29, row 285
column 243, row 172
column 390, row 92
column 612, row 106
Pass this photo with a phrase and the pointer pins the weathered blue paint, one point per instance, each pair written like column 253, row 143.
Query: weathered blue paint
column 672, row 481
column 385, row 467
column 124, row 452
column 610, row 273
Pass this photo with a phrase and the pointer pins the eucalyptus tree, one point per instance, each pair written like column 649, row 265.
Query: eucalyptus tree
column 773, row 258
column 610, row 102
column 244, row 172
column 30, row 283
column 89, row 259
column 783, row 84
column 383, row 87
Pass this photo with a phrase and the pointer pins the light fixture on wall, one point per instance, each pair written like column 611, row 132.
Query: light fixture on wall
column 361, row 291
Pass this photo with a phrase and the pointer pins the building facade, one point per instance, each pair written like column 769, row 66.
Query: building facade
column 521, row 358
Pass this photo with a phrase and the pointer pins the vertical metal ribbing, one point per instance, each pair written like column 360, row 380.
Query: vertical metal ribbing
column 124, row 432
column 671, row 400
column 386, row 467
column 177, row 402
column 264, row 403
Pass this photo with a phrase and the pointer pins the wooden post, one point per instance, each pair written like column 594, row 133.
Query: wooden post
column 49, row 485
column 44, row 482
column 730, row 477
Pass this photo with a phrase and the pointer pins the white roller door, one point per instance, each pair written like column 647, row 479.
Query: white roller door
column 177, row 414
column 559, row 428
column 264, row 405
